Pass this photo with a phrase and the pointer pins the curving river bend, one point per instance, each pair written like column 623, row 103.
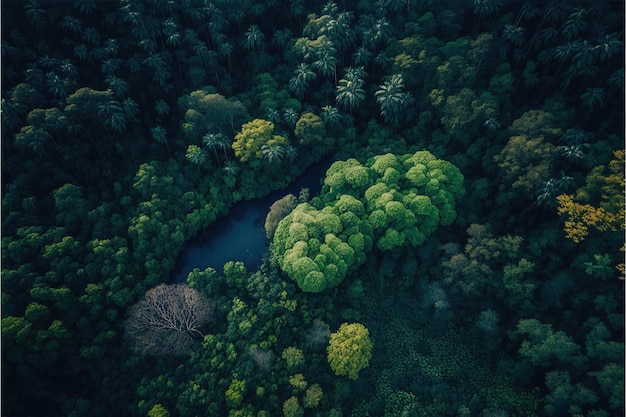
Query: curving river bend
column 240, row 235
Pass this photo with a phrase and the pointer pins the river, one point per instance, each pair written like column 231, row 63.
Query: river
column 240, row 235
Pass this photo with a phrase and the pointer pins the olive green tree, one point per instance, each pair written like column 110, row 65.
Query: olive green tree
column 349, row 349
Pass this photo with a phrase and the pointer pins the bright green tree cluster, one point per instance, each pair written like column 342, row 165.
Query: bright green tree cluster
column 349, row 349
column 391, row 201
column 405, row 196
column 253, row 136
column 319, row 247
column 413, row 195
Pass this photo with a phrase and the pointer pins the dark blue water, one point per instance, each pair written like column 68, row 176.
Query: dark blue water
column 240, row 235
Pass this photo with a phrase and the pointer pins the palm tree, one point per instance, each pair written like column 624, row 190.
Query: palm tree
column 173, row 39
column 609, row 46
column 218, row 39
column 330, row 115
column 196, row 155
column 34, row 76
column 10, row 114
column 575, row 24
column 190, row 37
column 118, row 122
column 273, row 115
column 304, row 72
column 514, row 34
column 91, row 35
column 291, row 153
column 362, row 56
column 381, row 59
column 112, row 114
column 118, row 86
column 330, row 8
column 340, row 30
column 326, row 64
column 382, row 30
column 159, row 134
column 130, row 107
column 231, row 168
column 574, row 153
column 355, row 73
column 304, row 48
column 161, row 107
column 224, row 143
column 111, row 46
column 281, row 38
column 213, row 140
column 584, row 56
column 57, row 85
column 203, row 51
column 36, row 15
column 226, row 49
column 349, row 93
column 492, row 124
column 160, row 69
column 255, row 40
column 291, row 116
column 392, row 98
column 546, row 195
column 300, row 81
column 297, row 86
column 217, row 21
column 110, row 65
column 68, row 69
column 273, row 153
column 564, row 52
column 171, row 31
column 48, row 62
column 365, row 26
column 486, row 8
column 81, row 52
column 296, row 7
column 593, row 97
column 72, row 23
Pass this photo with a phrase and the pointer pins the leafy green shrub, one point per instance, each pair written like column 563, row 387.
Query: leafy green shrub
column 389, row 202
column 349, row 349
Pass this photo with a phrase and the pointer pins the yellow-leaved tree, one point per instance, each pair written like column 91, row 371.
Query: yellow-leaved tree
column 598, row 205
column 257, row 141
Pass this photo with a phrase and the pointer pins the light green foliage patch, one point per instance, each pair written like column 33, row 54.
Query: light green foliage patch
column 312, row 396
column 349, row 349
column 253, row 136
column 314, row 244
column 389, row 202
column 292, row 408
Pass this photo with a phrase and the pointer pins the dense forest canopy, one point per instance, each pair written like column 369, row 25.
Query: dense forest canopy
column 464, row 258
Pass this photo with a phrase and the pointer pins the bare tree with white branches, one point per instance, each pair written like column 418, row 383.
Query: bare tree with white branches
column 318, row 335
column 168, row 320
column 263, row 358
